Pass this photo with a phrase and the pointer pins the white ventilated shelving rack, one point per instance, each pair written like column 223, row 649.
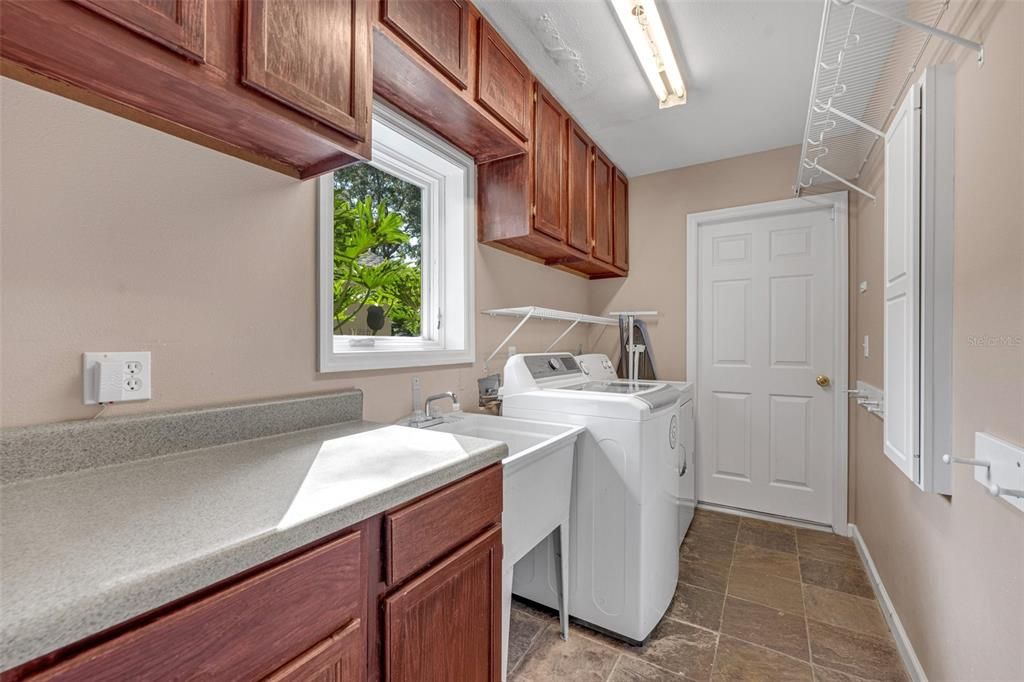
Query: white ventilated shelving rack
column 537, row 313
column 867, row 55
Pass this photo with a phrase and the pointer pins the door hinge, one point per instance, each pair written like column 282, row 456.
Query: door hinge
column 439, row 315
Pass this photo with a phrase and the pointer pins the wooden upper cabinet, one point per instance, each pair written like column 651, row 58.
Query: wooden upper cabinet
column 603, row 177
column 313, row 56
column 437, row 29
column 445, row 625
column 503, row 82
column 177, row 24
column 577, row 172
column 549, row 132
column 620, row 221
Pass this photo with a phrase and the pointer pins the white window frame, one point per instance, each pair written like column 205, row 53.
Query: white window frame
column 448, row 179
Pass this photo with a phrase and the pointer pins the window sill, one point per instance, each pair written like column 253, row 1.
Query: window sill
column 355, row 360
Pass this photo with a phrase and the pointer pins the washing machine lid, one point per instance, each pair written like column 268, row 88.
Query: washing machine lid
column 656, row 395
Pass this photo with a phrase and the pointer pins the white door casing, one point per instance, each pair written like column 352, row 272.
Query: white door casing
column 766, row 316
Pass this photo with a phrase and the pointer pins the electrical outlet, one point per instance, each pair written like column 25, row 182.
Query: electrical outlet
column 115, row 377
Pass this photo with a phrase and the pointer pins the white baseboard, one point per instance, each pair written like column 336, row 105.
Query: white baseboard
column 906, row 649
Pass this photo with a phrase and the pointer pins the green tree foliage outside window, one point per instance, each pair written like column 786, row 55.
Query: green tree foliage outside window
column 378, row 277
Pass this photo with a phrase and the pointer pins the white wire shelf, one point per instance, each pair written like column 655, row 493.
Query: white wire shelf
column 867, row 55
column 538, row 313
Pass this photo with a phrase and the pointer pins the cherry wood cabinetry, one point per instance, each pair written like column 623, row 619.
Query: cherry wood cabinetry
column 409, row 73
column 438, row 30
column 177, row 24
column 425, row 529
column 503, row 82
column 424, row 605
column 604, row 172
column 549, row 134
column 578, row 189
column 454, row 600
column 259, row 79
column 231, row 633
column 339, row 658
column 313, row 57
column 555, row 205
column 620, row 221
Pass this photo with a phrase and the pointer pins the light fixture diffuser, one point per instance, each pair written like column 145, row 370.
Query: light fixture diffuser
column 642, row 24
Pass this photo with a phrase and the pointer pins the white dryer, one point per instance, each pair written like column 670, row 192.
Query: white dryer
column 598, row 366
column 624, row 554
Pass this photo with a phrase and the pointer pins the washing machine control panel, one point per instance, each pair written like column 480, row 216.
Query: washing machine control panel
column 547, row 366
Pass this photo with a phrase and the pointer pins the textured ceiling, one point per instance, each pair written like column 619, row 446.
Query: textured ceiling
column 747, row 66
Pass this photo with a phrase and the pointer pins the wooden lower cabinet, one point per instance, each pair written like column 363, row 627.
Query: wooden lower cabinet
column 326, row 612
column 445, row 625
column 339, row 658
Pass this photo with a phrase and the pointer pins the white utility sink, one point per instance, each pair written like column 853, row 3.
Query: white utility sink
column 536, row 494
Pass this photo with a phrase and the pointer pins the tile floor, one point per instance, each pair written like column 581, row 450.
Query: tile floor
column 756, row 601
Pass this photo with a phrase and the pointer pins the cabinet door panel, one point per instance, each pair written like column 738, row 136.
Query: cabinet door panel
column 577, row 171
column 177, row 24
column 620, row 221
column 438, row 30
column 425, row 530
column 445, row 625
column 548, row 170
column 339, row 658
column 603, row 171
column 503, row 82
column 245, row 631
column 314, row 56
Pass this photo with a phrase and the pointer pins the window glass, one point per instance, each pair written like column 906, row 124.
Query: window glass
column 378, row 253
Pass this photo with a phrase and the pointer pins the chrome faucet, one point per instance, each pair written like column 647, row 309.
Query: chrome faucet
column 440, row 396
column 426, row 419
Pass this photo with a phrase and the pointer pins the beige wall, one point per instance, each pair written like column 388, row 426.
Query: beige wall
column 118, row 237
column 658, row 206
column 954, row 566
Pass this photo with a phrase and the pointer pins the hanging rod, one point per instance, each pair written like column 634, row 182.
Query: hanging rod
column 910, row 23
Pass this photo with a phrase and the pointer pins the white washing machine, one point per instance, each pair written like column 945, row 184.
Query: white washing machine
column 624, row 557
column 599, row 367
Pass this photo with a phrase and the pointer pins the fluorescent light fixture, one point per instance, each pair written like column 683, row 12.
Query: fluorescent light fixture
column 642, row 24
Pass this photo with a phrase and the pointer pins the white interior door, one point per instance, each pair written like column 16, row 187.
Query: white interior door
column 766, row 329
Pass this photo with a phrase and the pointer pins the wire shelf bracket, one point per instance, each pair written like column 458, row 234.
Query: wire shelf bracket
column 867, row 55
column 920, row 26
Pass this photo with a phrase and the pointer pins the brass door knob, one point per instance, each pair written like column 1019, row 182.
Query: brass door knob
column 823, row 380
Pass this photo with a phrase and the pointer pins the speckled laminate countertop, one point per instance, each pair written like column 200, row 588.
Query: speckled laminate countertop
column 84, row 551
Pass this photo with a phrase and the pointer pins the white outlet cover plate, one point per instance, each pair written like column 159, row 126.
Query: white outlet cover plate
column 91, row 359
